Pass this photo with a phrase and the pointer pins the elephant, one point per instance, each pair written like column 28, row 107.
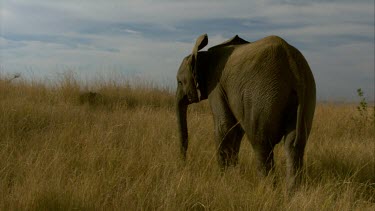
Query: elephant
column 264, row 88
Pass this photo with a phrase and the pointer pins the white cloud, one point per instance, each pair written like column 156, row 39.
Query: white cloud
column 132, row 31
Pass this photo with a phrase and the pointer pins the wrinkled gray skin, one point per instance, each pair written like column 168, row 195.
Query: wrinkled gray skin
column 264, row 89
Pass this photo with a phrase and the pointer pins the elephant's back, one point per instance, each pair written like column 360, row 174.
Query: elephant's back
column 259, row 76
column 264, row 61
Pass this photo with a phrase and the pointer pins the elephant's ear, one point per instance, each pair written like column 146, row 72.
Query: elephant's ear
column 236, row 40
column 199, row 44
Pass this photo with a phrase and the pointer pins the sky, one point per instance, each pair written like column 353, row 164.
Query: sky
column 145, row 38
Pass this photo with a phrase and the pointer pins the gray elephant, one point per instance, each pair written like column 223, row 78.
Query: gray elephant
column 264, row 89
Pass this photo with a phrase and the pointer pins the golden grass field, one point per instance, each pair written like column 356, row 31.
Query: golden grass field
column 62, row 150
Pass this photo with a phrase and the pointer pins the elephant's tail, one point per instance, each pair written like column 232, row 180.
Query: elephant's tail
column 300, row 127
column 305, row 88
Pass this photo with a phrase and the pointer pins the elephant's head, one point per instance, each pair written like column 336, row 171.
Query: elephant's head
column 188, row 89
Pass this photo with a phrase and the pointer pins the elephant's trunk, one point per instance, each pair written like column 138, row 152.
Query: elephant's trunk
column 181, row 110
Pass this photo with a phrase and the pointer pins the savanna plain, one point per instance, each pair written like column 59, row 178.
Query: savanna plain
column 116, row 148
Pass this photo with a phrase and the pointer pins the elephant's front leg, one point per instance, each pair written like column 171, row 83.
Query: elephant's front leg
column 228, row 134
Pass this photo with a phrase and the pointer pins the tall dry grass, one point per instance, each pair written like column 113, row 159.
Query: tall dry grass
column 60, row 151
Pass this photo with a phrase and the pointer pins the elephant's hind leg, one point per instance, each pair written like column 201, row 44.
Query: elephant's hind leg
column 263, row 136
column 229, row 141
column 264, row 159
column 228, row 132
